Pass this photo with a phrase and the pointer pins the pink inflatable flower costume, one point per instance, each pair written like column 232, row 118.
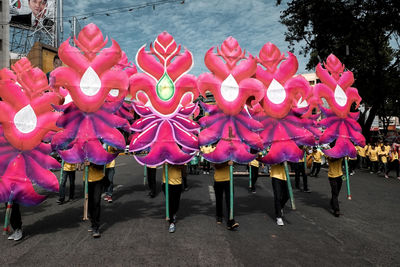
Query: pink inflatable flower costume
column 26, row 116
column 285, row 108
column 340, row 124
column 88, row 121
column 163, row 96
column 229, row 123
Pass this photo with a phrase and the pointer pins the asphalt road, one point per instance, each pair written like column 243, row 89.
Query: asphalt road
column 134, row 231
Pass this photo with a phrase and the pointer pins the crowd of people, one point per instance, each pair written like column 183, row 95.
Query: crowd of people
column 379, row 158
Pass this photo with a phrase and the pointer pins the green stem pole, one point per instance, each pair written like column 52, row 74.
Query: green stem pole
column 61, row 171
column 346, row 164
column 289, row 185
column 85, row 205
column 145, row 174
column 250, row 184
column 231, row 192
column 166, row 193
column 7, row 218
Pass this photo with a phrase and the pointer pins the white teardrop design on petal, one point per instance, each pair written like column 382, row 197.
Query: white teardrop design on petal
column 25, row 120
column 275, row 92
column 302, row 103
column 229, row 89
column 90, row 82
column 68, row 99
column 340, row 96
column 114, row 92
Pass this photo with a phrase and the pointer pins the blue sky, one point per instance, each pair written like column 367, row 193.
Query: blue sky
column 197, row 24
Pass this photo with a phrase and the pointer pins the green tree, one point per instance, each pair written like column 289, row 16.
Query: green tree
column 362, row 34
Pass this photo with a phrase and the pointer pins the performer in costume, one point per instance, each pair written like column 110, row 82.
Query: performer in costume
column 281, row 193
column 221, row 186
column 317, row 161
column 68, row 172
column 110, row 172
column 174, row 192
column 335, row 174
column 151, row 180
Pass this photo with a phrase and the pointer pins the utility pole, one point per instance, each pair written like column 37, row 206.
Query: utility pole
column 4, row 34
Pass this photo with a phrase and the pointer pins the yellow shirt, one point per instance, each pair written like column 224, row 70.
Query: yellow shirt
column 221, row 173
column 174, row 174
column 95, row 173
column 383, row 154
column 255, row 163
column 278, row 171
column 112, row 163
column 395, row 156
column 360, row 151
column 335, row 167
column 373, row 154
column 317, row 156
column 387, row 149
column 69, row 167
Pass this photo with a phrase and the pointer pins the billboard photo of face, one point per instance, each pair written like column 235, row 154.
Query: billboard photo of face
column 32, row 13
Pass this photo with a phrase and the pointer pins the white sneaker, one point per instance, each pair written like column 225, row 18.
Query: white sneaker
column 17, row 235
column 279, row 222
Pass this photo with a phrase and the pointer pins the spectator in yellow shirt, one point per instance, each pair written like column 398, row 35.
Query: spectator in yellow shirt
column 221, row 186
column 362, row 156
column 68, row 172
column 281, row 192
column 394, row 162
column 383, row 156
column 373, row 158
column 335, row 174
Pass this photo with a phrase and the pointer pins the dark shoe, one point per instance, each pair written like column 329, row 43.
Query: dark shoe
column 232, row 225
column 60, row 201
column 90, row 229
column 253, row 191
column 219, row 220
column 109, row 199
column 307, row 191
column 186, row 188
column 96, row 233
column 336, row 213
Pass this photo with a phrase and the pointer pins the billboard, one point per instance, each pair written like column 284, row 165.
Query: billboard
column 32, row 13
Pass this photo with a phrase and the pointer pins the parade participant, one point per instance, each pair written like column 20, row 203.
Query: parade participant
column 362, row 156
column 373, row 158
column 221, row 186
column 281, row 193
column 335, row 174
column 174, row 192
column 109, row 175
column 367, row 148
column 96, row 183
column 69, row 170
column 352, row 165
column 394, row 162
column 254, row 165
column 317, row 161
column 151, row 180
column 206, row 164
column 300, row 170
column 193, row 165
column 184, row 177
column 16, row 223
column 383, row 155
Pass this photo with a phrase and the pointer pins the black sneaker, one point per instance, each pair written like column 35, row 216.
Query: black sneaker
column 96, row 233
column 219, row 220
column 232, row 225
column 60, row 201
column 307, row 191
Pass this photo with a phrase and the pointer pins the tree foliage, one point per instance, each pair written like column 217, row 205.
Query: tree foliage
column 364, row 35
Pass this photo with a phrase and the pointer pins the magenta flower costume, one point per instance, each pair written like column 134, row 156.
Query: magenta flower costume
column 88, row 121
column 125, row 111
column 340, row 124
column 163, row 96
column 26, row 116
column 285, row 109
column 229, row 123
